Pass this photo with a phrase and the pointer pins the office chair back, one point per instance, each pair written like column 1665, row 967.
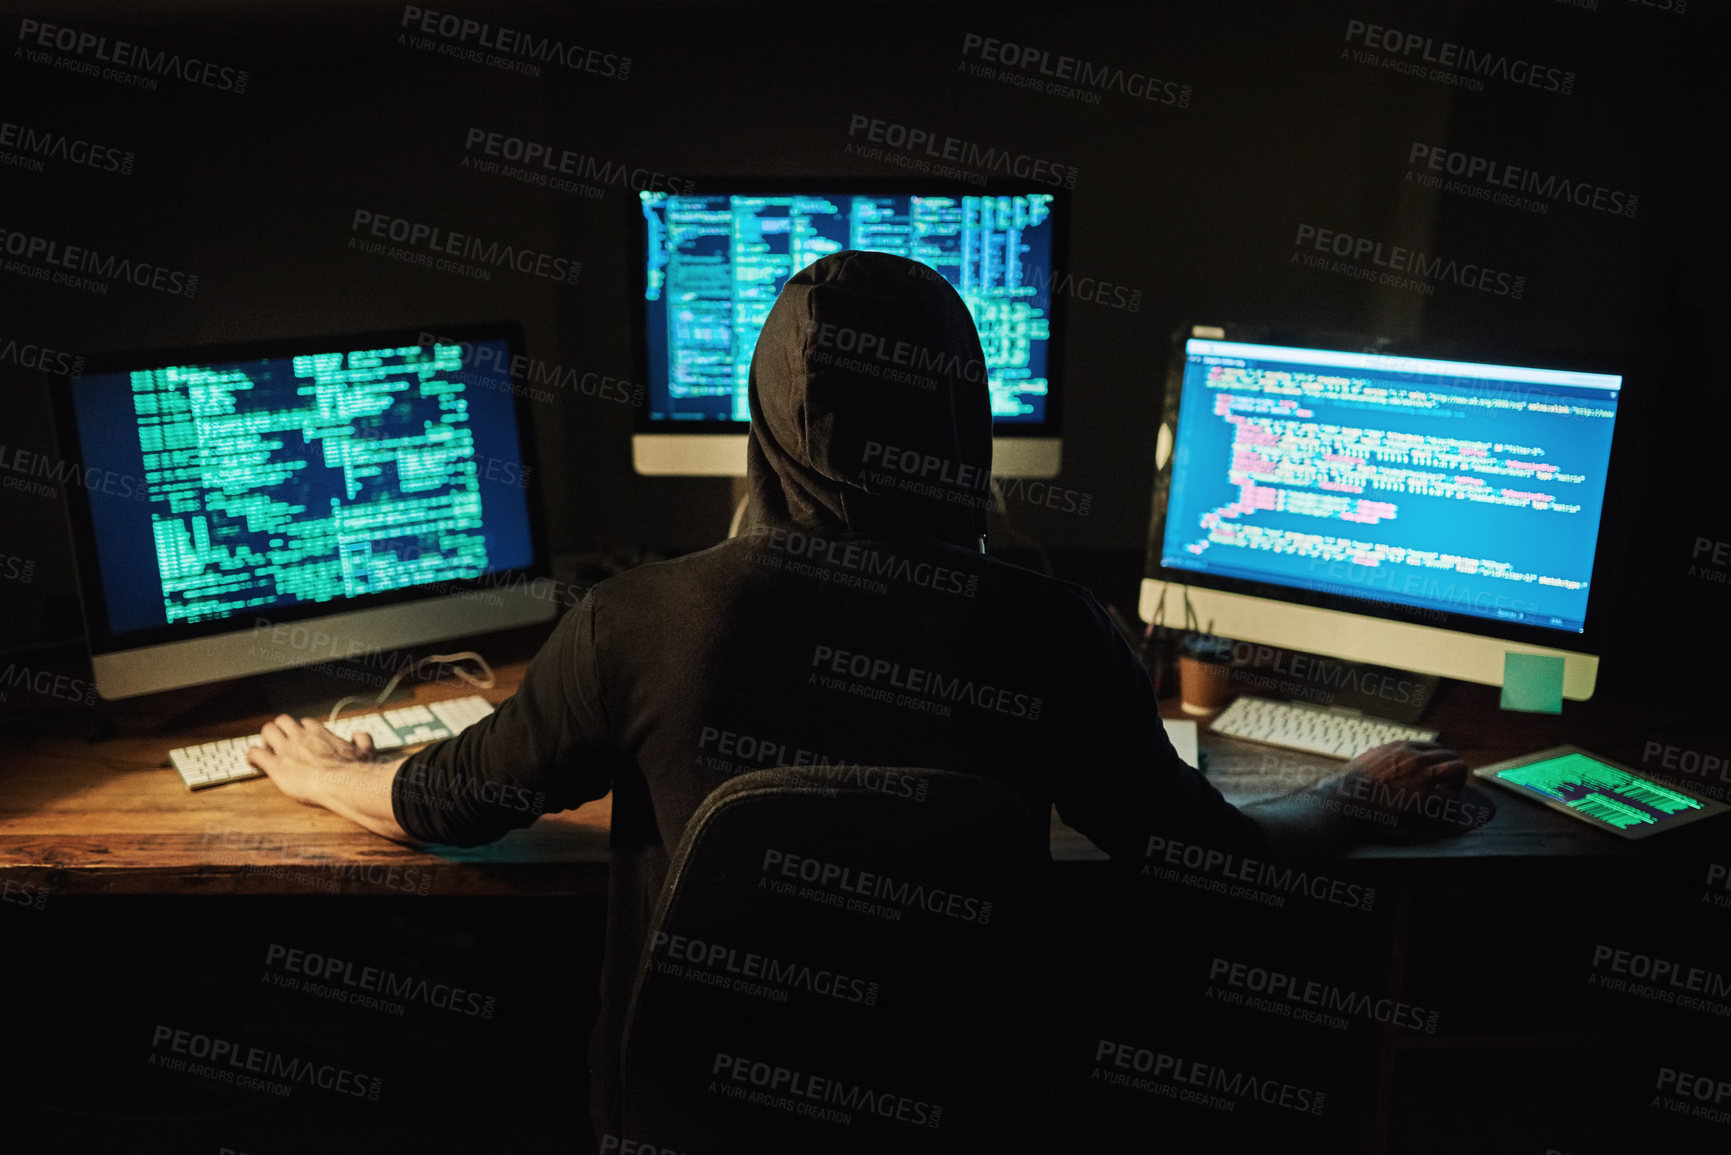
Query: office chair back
column 858, row 963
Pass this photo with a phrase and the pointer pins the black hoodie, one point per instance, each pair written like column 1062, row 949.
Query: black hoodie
column 857, row 623
column 869, row 408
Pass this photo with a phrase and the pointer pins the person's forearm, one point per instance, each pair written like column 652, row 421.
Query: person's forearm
column 1301, row 825
column 361, row 792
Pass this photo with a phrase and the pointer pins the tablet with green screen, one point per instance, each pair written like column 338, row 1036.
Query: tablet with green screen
column 1600, row 792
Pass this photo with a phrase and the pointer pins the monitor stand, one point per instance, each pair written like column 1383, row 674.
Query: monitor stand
column 740, row 494
column 1363, row 688
column 311, row 691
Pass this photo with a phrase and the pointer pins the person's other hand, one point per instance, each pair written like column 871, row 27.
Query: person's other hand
column 1415, row 766
column 1397, row 777
column 296, row 754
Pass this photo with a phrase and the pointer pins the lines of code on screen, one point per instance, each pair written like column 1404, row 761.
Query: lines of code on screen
column 1461, row 493
column 1599, row 791
column 715, row 265
column 309, row 478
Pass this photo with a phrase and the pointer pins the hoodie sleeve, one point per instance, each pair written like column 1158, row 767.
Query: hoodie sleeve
column 544, row 749
column 1127, row 784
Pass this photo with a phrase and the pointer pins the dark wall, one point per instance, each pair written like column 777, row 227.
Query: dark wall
column 1193, row 201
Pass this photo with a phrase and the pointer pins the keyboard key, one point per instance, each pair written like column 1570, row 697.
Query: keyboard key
column 408, row 716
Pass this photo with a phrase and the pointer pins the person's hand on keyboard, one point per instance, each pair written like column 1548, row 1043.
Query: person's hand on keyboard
column 300, row 757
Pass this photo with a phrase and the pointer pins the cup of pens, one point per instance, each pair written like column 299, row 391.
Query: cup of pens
column 1204, row 673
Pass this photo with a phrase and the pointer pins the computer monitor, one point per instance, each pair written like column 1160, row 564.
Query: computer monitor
column 250, row 508
column 713, row 261
column 1426, row 513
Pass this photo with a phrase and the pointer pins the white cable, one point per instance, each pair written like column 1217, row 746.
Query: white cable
column 484, row 682
column 738, row 517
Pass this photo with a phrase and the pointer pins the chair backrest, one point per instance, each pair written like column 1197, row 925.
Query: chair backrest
column 848, row 961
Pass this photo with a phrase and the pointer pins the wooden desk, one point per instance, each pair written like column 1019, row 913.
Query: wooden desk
column 1469, row 719
column 112, row 818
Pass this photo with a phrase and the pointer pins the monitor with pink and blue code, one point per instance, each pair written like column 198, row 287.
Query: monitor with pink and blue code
column 1458, row 487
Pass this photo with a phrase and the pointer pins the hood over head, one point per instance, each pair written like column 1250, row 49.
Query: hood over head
column 870, row 412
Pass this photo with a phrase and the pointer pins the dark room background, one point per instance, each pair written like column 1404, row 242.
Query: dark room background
column 1266, row 118
column 1214, row 143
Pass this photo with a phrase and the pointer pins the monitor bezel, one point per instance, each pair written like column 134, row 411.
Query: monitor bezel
column 103, row 640
column 1592, row 638
column 1050, row 427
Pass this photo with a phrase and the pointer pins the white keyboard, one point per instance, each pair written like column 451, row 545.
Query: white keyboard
column 1311, row 729
column 214, row 763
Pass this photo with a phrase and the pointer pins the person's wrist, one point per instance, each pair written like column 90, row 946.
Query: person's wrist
column 310, row 786
column 368, row 774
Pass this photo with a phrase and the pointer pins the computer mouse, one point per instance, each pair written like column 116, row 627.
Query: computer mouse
column 1454, row 817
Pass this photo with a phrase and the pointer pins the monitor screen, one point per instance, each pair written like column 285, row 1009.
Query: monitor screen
column 714, row 264
column 1451, row 486
column 292, row 483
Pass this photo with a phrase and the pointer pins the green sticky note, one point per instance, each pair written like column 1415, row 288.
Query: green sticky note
column 1533, row 682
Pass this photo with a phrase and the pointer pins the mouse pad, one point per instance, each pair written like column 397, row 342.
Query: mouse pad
column 1473, row 809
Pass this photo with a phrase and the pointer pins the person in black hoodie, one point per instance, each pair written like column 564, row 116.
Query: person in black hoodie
column 858, row 622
